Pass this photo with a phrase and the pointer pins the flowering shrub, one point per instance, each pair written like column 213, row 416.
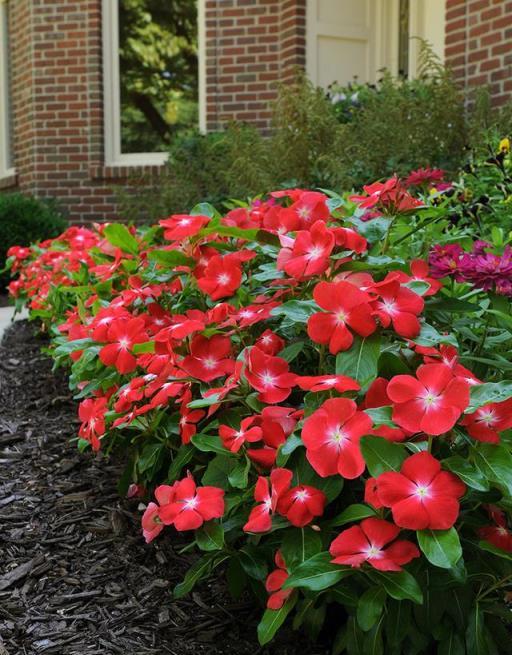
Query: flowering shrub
column 288, row 391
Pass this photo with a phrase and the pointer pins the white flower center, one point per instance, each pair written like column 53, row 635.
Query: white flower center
column 184, row 221
column 223, row 279
column 190, row 503
column 373, row 552
column 341, row 316
column 315, row 252
column 337, row 437
column 124, row 343
column 430, row 400
column 487, row 417
column 302, row 495
column 389, row 307
column 268, row 379
column 304, row 212
column 209, row 363
column 422, row 491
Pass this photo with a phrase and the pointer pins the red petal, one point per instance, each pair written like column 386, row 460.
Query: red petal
column 421, row 467
column 403, row 388
column 379, row 532
column 410, row 513
column 402, row 552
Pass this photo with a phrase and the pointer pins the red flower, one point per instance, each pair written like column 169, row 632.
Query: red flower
column 377, row 396
column 221, row 277
column 310, row 207
column 151, row 523
column 179, row 226
column 188, row 418
column 260, row 518
column 420, row 271
column 327, row 382
column 233, row 439
column 498, row 536
column 92, row 414
column 123, row 334
column 269, row 375
column 421, row 496
column 277, row 423
column 270, row 343
column 345, row 305
column 274, row 583
column 309, row 253
column 488, row 421
column 331, row 436
column 301, row 504
column 208, row 358
column 432, row 403
column 365, row 543
column 398, row 306
column 191, row 507
column 425, row 176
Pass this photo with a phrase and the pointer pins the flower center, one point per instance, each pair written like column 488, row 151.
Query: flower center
column 124, row 343
column 223, row 279
column 389, row 307
column 184, row 221
column 302, row 495
column 341, row 316
column 373, row 552
column 268, row 379
column 337, row 437
column 315, row 252
column 190, row 503
column 422, row 491
column 304, row 213
column 209, row 363
column 487, row 417
column 430, row 400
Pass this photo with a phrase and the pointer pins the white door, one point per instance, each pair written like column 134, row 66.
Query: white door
column 347, row 38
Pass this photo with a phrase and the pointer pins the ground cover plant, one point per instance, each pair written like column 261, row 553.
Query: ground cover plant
column 295, row 388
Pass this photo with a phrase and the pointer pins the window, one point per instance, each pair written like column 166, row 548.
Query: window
column 153, row 75
column 6, row 166
column 403, row 38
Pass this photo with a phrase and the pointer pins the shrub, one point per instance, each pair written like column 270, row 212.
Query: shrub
column 290, row 389
column 24, row 220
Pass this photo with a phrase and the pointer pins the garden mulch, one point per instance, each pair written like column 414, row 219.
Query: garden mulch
column 75, row 574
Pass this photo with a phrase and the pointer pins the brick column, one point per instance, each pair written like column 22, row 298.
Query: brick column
column 251, row 45
column 478, row 38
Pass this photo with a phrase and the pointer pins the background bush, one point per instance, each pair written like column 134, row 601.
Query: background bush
column 25, row 220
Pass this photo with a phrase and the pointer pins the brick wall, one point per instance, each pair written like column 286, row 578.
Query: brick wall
column 251, row 45
column 478, row 44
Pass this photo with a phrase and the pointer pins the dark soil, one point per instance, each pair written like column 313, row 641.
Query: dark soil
column 75, row 574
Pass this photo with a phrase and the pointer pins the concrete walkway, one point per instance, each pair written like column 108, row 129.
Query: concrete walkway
column 6, row 317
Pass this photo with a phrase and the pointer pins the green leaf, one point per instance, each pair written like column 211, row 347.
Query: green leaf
column 296, row 311
column 467, row 472
column 381, row 415
column 210, row 536
column 239, row 475
column 181, row 459
column 361, row 360
column 317, row 573
column 203, row 209
column 441, row 547
column 400, row 586
column 290, row 445
column 149, row 456
column 209, row 444
column 272, row 620
column 73, row 346
column 290, row 352
column 420, row 287
column 146, row 347
column 381, row 455
column 495, row 462
column 120, row 237
column 476, row 641
column 445, row 304
column 490, row 392
column 299, row 545
column 218, row 471
column 398, row 615
column 197, row 572
column 451, row 645
column 429, row 336
column 355, row 512
column 253, row 562
column 169, row 258
column 485, row 545
column 370, row 607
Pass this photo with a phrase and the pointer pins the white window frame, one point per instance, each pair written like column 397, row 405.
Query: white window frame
column 112, row 90
column 6, row 168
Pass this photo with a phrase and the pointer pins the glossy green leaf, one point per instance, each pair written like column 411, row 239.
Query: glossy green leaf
column 356, row 512
column 272, row 620
column 317, row 573
column 441, row 547
column 361, row 360
column 370, row 607
column 120, row 236
column 381, row 455
column 400, row 586
column 210, row 536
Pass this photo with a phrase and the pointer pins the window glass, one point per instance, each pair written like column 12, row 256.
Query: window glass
column 158, row 72
column 6, row 158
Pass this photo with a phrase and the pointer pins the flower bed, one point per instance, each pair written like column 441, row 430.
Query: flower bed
column 289, row 391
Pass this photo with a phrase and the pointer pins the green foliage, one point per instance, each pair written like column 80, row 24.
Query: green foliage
column 24, row 220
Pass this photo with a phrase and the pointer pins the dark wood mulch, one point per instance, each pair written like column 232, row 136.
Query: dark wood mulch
column 75, row 574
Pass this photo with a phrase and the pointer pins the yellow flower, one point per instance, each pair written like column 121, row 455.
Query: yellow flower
column 505, row 145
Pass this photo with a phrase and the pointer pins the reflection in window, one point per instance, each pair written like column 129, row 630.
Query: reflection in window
column 158, row 62
column 403, row 38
